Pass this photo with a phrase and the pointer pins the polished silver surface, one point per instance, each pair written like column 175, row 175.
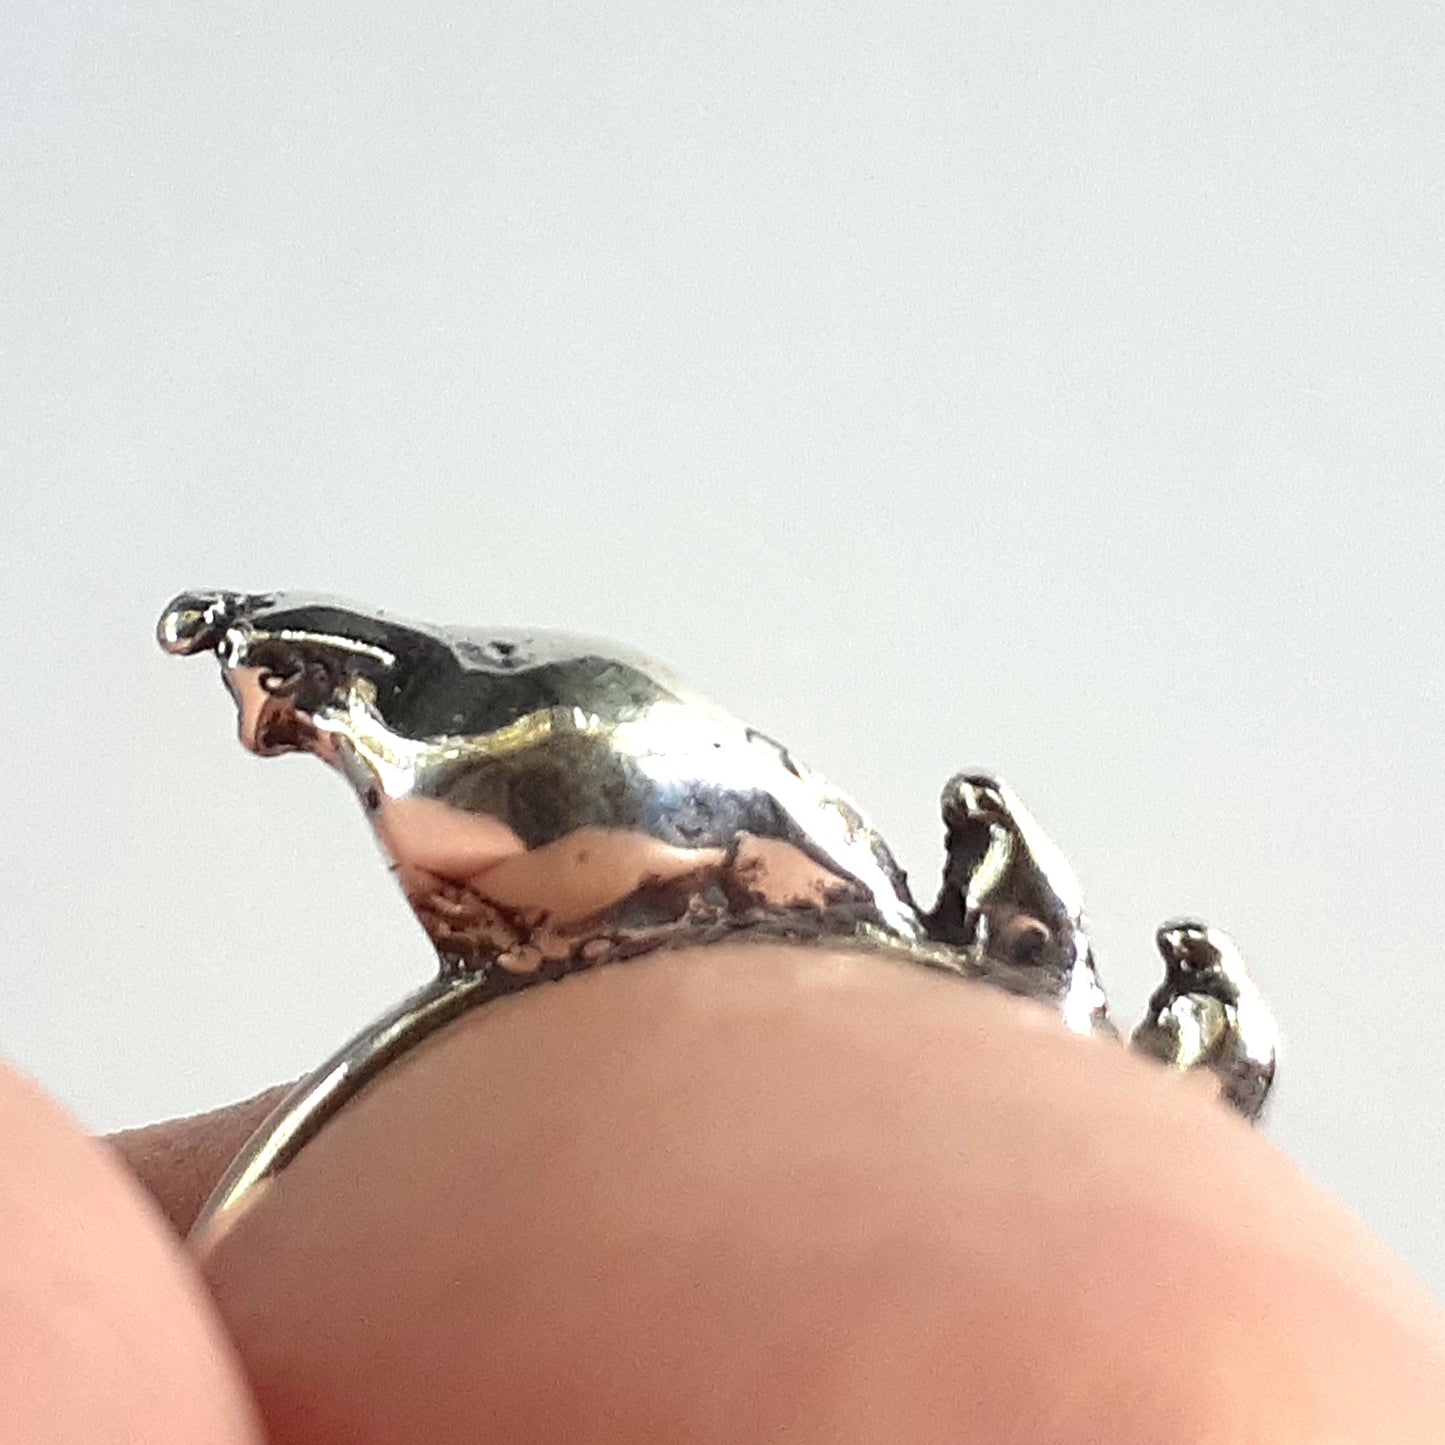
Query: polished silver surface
column 551, row 803
column 548, row 802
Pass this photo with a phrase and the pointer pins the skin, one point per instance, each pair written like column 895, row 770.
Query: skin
column 106, row 1334
column 747, row 1194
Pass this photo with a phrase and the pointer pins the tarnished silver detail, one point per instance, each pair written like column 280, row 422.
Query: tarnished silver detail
column 551, row 803
column 1208, row 1014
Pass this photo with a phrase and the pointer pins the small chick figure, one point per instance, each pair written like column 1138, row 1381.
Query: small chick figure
column 1208, row 1014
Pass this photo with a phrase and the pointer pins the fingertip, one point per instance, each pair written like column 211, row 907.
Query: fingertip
column 750, row 1194
column 105, row 1331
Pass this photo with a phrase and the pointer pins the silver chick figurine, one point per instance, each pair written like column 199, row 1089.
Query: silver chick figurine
column 1010, row 899
column 1209, row 1014
column 551, row 803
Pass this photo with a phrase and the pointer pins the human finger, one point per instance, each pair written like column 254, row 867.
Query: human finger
column 745, row 1194
column 106, row 1334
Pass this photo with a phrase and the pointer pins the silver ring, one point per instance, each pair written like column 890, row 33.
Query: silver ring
column 552, row 803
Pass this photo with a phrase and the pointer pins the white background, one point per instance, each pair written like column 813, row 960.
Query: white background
column 1055, row 388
